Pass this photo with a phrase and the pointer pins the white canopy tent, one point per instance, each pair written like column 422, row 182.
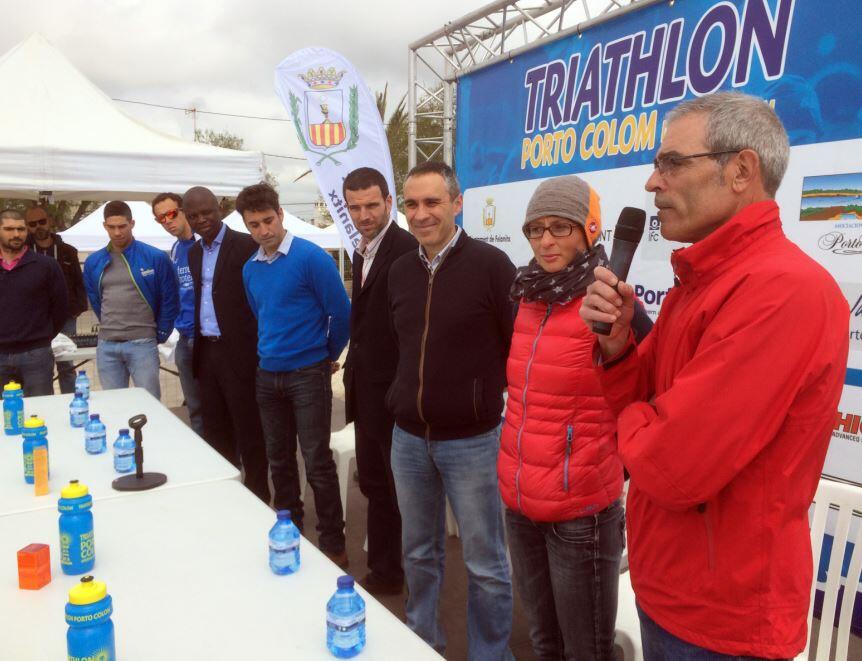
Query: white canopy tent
column 88, row 235
column 61, row 134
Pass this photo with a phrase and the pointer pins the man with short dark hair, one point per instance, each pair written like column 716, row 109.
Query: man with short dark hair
column 168, row 213
column 225, row 346
column 452, row 316
column 33, row 300
column 43, row 240
column 726, row 409
column 303, row 317
column 132, row 288
column 370, row 368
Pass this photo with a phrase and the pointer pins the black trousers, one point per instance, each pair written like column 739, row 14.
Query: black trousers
column 373, row 427
column 230, row 414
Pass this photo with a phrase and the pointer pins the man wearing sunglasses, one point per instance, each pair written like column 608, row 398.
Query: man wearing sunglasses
column 725, row 410
column 168, row 214
column 44, row 241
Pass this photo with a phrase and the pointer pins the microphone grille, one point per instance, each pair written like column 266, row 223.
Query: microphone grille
column 630, row 225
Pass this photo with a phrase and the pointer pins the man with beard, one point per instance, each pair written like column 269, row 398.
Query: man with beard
column 33, row 300
column 43, row 240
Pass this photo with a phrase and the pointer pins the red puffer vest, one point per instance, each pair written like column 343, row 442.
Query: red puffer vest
column 558, row 458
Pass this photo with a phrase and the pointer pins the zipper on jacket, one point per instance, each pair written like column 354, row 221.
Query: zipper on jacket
column 134, row 282
column 710, row 542
column 422, row 356
column 524, row 412
column 568, row 456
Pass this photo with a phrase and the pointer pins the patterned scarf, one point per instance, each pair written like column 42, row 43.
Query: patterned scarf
column 533, row 283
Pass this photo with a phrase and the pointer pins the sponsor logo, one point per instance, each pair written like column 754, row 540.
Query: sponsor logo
column 650, row 296
column 841, row 243
column 853, row 293
column 833, row 198
column 323, row 104
column 147, row 272
column 848, row 426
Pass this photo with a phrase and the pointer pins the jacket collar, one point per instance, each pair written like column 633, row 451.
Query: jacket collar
column 710, row 257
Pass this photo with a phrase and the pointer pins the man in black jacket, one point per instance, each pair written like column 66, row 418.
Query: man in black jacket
column 370, row 368
column 33, row 300
column 225, row 347
column 44, row 241
column 453, row 319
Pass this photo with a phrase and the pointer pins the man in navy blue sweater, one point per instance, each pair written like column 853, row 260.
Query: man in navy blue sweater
column 303, row 321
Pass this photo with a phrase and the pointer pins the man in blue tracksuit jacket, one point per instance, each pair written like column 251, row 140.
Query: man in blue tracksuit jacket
column 134, row 292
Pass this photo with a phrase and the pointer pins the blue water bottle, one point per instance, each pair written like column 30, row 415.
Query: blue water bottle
column 77, row 551
column 95, row 435
column 35, row 435
column 284, row 544
column 79, row 410
column 13, row 408
column 124, row 452
column 82, row 384
column 345, row 620
column 88, row 614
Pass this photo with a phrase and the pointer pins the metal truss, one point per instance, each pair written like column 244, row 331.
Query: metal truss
column 496, row 32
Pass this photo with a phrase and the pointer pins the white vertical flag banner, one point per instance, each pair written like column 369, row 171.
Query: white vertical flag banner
column 337, row 124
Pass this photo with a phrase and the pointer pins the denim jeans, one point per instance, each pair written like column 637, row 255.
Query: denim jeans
column 299, row 404
column 465, row 471
column 117, row 361
column 567, row 574
column 660, row 645
column 66, row 368
column 191, row 392
column 33, row 369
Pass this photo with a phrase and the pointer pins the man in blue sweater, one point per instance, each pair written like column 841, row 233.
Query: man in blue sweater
column 303, row 318
column 133, row 290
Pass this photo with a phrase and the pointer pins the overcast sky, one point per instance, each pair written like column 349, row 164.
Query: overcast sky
column 220, row 55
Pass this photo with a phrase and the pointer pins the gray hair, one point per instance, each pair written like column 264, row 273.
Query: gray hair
column 11, row 214
column 439, row 168
column 738, row 121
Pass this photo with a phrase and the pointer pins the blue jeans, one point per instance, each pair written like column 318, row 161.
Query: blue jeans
column 117, row 361
column 660, row 645
column 465, row 471
column 299, row 404
column 66, row 368
column 567, row 574
column 191, row 392
column 33, row 369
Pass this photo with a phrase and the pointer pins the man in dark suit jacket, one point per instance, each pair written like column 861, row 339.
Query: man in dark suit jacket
column 225, row 346
column 370, row 368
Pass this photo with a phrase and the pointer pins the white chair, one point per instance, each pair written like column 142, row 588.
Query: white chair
column 628, row 633
column 844, row 498
column 343, row 446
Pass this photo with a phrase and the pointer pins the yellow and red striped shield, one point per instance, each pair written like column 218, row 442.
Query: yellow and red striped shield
column 327, row 134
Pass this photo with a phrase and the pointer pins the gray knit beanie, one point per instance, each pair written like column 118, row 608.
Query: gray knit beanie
column 567, row 197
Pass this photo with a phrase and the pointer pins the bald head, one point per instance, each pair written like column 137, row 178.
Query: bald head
column 201, row 209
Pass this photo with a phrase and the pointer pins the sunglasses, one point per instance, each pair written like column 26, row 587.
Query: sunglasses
column 167, row 215
column 41, row 222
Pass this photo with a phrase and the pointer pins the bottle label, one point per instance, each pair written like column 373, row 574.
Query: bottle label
column 28, row 464
column 282, row 546
column 345, row 624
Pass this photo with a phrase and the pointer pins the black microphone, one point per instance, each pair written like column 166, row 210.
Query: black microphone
column 627, row 235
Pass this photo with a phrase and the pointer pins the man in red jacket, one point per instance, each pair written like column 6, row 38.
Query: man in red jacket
column 725, row 410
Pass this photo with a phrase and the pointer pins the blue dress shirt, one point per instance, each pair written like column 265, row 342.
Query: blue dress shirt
column 209, row 323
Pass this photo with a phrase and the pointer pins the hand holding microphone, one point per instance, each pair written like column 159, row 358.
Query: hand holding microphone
column 608, row 305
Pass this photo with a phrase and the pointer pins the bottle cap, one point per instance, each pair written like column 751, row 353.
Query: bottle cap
column 34, row 421
column 88, row 591
column 283, row 515
column 345, row 582
column 124, row 431
column 82, row 372
column 12, row 385
column 74, row 490
column 94, row 416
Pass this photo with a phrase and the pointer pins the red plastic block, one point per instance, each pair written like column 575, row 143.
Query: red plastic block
column 34, row 566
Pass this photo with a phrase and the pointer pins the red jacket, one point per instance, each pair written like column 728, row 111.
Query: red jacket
column 742, row 371
column 559, row 461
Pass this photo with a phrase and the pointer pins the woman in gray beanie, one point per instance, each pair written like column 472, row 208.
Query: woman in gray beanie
column 558, row 469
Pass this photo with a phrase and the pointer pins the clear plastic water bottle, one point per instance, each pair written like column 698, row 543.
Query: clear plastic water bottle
column 95, row 435
column 82, row 384
column 124, row 452
column 284, row 545
column 13, row 408
column 79, row 409
column 345, row 620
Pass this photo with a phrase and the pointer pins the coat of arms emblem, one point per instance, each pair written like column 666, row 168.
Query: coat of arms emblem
column 489, row 213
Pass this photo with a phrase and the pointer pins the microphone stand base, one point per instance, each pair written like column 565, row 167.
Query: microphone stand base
column 135, row 483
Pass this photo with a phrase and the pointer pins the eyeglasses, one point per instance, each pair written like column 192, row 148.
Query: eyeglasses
column 559, row 230
column 32, row 224
column 170, row 214
column 669, row 163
